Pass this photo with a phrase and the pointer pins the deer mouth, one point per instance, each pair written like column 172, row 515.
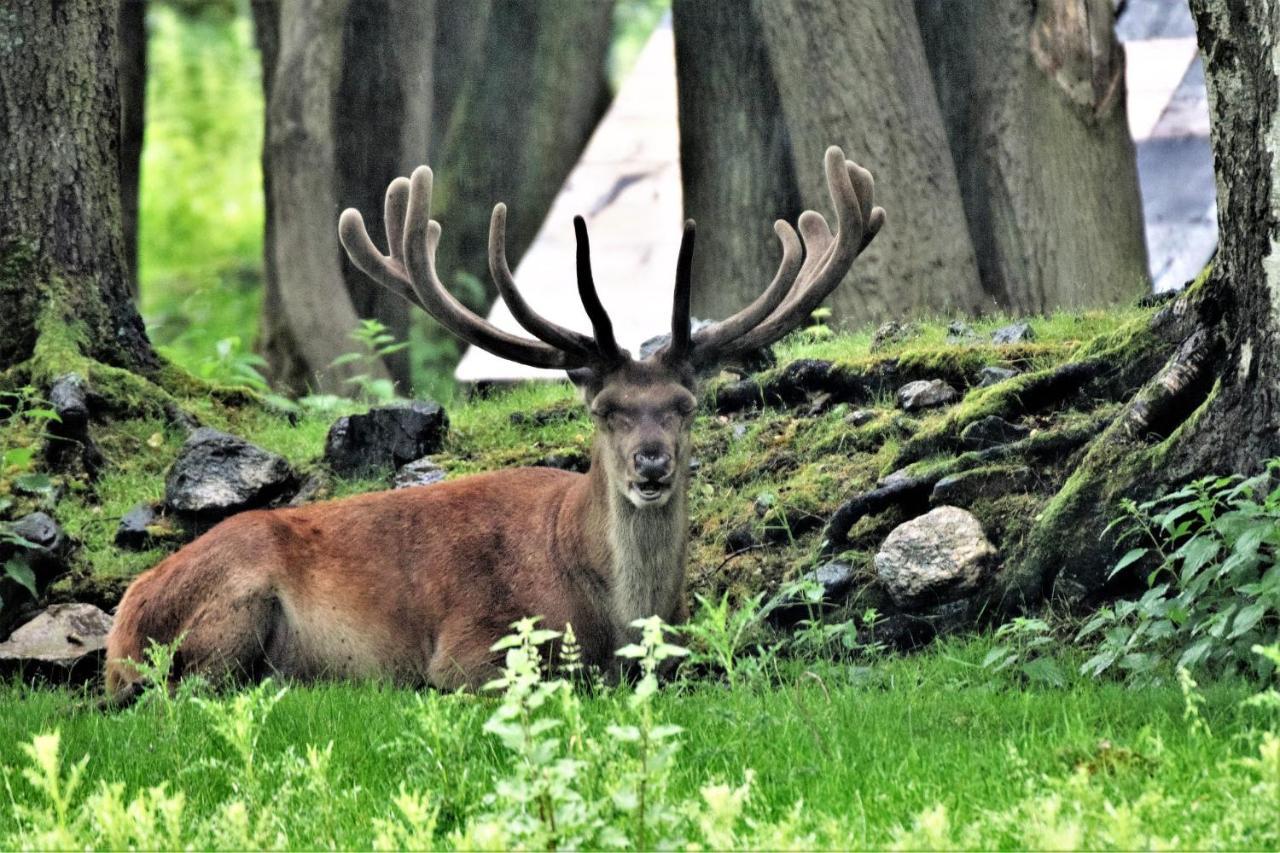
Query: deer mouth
column 650, row 491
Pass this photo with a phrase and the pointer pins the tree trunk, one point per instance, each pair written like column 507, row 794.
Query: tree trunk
column 382, row 128
column 1213, row 405
column 522, row 84
column 64, row 280
column 309, row 313
column 132, row 49
column 780, row 81
column 1033, row 97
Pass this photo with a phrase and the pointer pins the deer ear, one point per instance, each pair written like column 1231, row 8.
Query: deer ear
column 587, row 381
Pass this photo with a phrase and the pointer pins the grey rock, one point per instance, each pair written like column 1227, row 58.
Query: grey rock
column 991, row 374
column 315, row 487
column 860, row 417
column 133, row 532
column 891, row 332
column 64, row 641
column 959, row 332
column 419, row 472
column 835, row 579
column 69, row 397
column 940, row 556
column 739, row 431
column 385, row 438
column 991, row 431
column 217, row 474
column 657, row 342
column 926, row 394
column 1014, row 333
column 41, row 531
column 44, row 555
column 566, row 461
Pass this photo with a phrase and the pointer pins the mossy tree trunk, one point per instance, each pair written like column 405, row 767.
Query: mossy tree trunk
column 765, row 87
column 1033, row 98
column 64, row 278
column 1214, row 405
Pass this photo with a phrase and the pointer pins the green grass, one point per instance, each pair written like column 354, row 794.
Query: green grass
column 872, row 752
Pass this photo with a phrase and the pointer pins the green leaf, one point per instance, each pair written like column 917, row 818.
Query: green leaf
column 346, row 358
column 1044, row 671
column 1246, row 618
column 34, row 483
column 19, row 456
column 1130, row 557
column 21, row 574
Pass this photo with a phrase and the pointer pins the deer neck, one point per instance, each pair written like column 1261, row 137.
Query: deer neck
column 644, row 548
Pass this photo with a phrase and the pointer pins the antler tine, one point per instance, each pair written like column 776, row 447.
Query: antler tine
column 420, row 238
column 680, row 332
column 710, row 337
column 858, row 220
column 533, row 322
column 386, row 271
column 606, row 344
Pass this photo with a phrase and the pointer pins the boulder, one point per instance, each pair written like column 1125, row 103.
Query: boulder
column 991, row 431
column 1014, row 333
column 385, row 438
column 69, row 397
column 860, row 417
column 144, row 527
column 419, row 472
column 891, row 332
column 991, row 374
column 959, row 332
column 926, row 394
column 937, row 557
column 835, row 580
column 65, row 642
column 217, row 475
column 41, row 560
column 568, row 460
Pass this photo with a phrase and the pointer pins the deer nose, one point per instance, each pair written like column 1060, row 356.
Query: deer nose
column 652, row 464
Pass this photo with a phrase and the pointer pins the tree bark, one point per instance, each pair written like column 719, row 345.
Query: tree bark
column 1213, row 405
column 132, row 66
column 63, row 271
column 799, row 75
column 1033, row 98
column 521, row 85
column 382, row 126
column 310, row 313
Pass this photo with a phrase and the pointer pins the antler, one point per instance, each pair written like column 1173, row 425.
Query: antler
column 796, row 290
column 409, row 271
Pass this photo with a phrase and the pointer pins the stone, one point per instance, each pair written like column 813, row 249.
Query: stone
column 385, row 438
column 218, row 474
column 64, row 642
column 44, row 556
column 739, row 431
column 891, row 332
column 991, row 374
column 419, row 472
column 860, row 417
column 657, row 342
column 835, row 579
column 935, row 558
column 991, row 431
column 1014, row 333
column 566, row 461
column 136, row 530
column 69, row 397
column 959, row 332
column 926, row 394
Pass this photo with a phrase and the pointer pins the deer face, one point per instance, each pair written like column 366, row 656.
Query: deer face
column 643, row 424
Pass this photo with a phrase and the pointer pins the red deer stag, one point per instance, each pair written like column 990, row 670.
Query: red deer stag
column 416, row 585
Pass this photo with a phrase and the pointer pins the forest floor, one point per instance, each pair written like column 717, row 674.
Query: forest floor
column 769, row 476
column 931, row 751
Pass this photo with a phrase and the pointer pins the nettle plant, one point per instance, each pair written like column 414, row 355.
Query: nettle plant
column 1214, row 586
column 23, row 415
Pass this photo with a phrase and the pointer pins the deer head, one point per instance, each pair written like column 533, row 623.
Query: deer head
column 643, row 409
